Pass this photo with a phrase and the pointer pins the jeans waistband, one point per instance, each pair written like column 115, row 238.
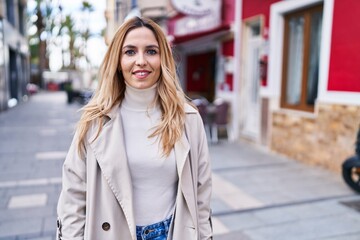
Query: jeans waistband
column 159, row 225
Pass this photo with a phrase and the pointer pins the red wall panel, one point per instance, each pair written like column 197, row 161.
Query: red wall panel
column 344, row 70
column 256, row 7
column 228, row 48
column 200, row 72
column 228, row 11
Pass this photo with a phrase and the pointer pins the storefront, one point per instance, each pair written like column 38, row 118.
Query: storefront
column 203, row 41
column 308, row 102
column 14, row 55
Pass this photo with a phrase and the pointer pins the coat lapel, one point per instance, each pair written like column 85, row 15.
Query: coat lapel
column 182, row 153
column 109, row 149
column 182, row 147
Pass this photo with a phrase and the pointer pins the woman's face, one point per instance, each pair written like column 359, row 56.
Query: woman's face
column 140, row 58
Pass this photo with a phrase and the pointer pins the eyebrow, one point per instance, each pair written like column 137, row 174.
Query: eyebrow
column 132, row 46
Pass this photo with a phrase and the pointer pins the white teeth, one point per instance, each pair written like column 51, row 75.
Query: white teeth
column 141, row 73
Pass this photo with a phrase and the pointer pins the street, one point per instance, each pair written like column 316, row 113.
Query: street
column 257, row 195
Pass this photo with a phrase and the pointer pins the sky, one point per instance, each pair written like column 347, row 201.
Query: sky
column 97, row 22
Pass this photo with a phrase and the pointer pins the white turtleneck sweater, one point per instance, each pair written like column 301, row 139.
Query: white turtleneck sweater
column 154, row 178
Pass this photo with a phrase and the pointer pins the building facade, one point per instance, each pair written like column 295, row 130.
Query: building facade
column 118, row 10
column 288, row 69
column 308, row 101
column 14, row 53
column 203, row 37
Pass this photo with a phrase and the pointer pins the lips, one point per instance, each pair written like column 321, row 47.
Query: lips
column 141, row 74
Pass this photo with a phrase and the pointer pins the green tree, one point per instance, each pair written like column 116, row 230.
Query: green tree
column 86, row 8
column 68, row 27
column 39, row 40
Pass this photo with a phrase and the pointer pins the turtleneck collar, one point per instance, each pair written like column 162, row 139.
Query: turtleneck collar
column 139, row 99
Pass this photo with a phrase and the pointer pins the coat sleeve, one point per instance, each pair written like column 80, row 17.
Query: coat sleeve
column 72, row 200
column 204, row 184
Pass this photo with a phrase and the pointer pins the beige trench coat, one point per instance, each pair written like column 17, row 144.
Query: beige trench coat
column 96, row 198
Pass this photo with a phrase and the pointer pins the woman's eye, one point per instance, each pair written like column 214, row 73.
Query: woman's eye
column 151, row 52
column 130, row 52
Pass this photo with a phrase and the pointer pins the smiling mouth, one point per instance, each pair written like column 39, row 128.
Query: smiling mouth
column 141, row 74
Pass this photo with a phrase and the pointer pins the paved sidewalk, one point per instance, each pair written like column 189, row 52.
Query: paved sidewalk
column 257, row 195
column 35, row 137
column 262, row 196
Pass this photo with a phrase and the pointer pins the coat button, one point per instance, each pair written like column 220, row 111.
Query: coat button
column 106, row 226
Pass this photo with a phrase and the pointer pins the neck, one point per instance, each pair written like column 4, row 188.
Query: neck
column 140, row 99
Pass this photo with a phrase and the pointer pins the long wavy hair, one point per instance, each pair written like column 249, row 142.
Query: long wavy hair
column 111, row 89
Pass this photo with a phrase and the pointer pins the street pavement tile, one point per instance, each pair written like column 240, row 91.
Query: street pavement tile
column 51, row 155
column 54, row 170
column 331, row 189
column 314, row 210
column 57, row 121
column 37, row 182
column 26, row 201
column 50, row 224
column 236, row 222
column 354, row 236
column 232, row 236
column 272, row 197
column 219, row 227
column 13, row 175
column 217, row 205
column 314, row 228
column 3, row 199
column 275, row 216
column 11, row 228
column 48, row 132
column 39, row 238
column 27, row 190
column 334, row 207
column 234, row 197
column 28, row 213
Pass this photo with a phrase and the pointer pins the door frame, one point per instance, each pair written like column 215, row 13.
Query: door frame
column 248, row 23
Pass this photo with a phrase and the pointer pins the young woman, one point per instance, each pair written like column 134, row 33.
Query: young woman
column 138, row 167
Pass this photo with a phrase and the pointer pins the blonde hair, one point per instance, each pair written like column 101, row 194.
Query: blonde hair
column 111, row 89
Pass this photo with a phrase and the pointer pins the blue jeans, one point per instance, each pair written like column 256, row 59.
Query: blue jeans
column 156, row 231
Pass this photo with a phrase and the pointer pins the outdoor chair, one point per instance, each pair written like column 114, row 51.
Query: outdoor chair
column 202, row 105
column 221, row 108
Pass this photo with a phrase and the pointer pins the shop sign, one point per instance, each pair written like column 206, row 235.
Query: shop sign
column 195, row 7
column 201, row 15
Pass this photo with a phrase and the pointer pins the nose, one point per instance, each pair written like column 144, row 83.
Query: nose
column 141, row 60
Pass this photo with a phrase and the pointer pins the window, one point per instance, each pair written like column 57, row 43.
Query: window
column 300, row 75
column 21, row 10
column 10, row 11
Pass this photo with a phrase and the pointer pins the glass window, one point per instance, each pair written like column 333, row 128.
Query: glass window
column 301, row 59
column 313, row 72
column 255, row 29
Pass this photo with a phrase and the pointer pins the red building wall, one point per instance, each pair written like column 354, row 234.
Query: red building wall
column 256, row 7
column 344, row 70
column 228, row 51
column 228, row 11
